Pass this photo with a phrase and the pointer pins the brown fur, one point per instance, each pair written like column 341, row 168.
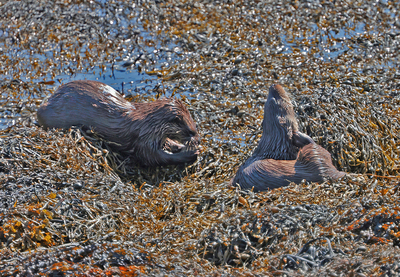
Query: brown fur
column 157, row 133
column 284, row 154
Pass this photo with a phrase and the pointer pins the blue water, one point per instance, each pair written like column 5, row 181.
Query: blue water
column 118, row 75
column 129, row 81
column 326, row 52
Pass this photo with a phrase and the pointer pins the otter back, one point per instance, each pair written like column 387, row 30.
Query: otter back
column 156, row 133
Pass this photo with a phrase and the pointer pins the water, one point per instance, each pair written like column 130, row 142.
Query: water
column 52, row 64
column 34, row 66
column 331, row 43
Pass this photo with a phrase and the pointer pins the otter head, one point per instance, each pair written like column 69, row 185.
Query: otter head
column 280, row 139
column 168, row 135
column 181, row 134
column 279, row 115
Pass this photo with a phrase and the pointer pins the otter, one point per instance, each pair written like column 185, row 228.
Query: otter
column 158, row 133
column 284, row 154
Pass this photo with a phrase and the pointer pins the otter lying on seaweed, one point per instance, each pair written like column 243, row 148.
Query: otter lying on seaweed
column 153, row 134
column 284, row 154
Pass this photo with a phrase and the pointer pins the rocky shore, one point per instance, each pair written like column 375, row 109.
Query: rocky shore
column 70, row 206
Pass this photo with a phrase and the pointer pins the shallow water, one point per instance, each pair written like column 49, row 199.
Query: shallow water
column 124, row 72
column 51, row 60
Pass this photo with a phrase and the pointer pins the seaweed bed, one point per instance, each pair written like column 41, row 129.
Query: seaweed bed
column 69, row 206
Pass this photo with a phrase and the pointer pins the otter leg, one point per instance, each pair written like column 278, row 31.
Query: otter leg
column 299, row 139
column 189, row 156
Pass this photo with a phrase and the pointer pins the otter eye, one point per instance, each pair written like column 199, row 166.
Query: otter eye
column 176, row 121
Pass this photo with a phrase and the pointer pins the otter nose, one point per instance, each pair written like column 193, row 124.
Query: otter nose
column 276, row 91
column 193, row 143
column 194, row 140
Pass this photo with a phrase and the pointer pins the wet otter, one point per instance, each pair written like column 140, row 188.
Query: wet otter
column 284, row 154
column 157, row 133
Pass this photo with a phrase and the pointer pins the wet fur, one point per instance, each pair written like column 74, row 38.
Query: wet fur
column 139, row 130
column 284, row 154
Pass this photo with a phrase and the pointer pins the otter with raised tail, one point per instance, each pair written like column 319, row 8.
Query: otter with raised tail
column 284, row 154
column 152, row 134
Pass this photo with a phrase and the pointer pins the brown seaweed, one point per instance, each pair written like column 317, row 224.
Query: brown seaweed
column 69, row 205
